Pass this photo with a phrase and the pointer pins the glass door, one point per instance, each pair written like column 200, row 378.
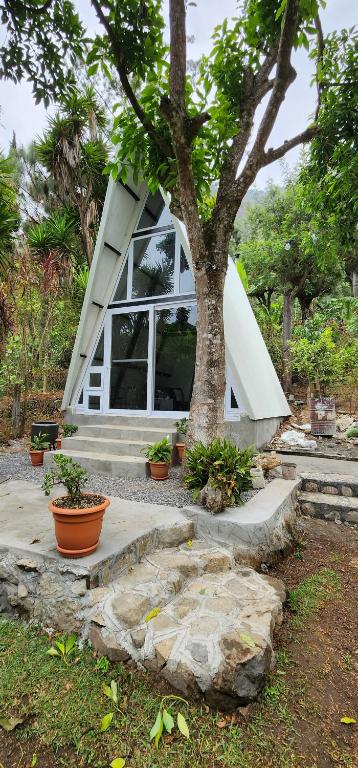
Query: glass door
column 128, row 364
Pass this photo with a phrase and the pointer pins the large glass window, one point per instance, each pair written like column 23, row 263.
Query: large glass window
column 153, row 265
column 175, row 346
column 155, row 213
column 121, row 290
column 98, row 355
column 129, row 361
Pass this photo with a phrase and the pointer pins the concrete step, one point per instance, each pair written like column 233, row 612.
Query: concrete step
column 329, row 506
column 193, row 616
column 115, row 447
column 104, row 463
column 333, row 484
column 158, row 422
column 148, row 434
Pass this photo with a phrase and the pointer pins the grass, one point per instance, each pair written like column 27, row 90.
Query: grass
column 311, row 594
column 63, row 704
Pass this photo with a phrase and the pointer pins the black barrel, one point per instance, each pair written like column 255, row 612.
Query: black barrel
column 49, row 428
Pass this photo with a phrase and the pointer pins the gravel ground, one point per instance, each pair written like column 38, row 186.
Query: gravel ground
column 17, row 466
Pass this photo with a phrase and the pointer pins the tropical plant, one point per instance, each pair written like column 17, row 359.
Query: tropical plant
column 164, row 721
column 69, row 429
column 222, row 466
column 317, row 362
column 9, row 212
column 40, row 442
column 159, row 452
column 68, row 473
column 64, row 647
column 182, row 426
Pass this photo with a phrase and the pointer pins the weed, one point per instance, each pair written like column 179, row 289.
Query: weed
column 305, row 599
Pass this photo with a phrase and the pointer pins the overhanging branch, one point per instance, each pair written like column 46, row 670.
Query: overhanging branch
column 275, row 154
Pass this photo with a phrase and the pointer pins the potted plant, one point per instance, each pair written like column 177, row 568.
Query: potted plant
column 317, row 361
column 39, row 444
column 182, row 428
column 69, row 429
column 159, row 457
column 78, row 515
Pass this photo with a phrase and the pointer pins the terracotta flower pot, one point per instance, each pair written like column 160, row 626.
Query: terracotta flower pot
column 159, row 470
column 58, row 443
column 181, row 451
column 78, row 530
column 37, row 458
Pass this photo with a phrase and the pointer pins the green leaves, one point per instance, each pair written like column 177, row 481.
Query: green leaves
column 111, row 691
column 160, row 451
column 64, row 647
column 223, row 466
column 118, row 762
column 106, row 722
column 164, row 721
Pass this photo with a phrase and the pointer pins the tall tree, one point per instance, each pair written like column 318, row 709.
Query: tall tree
column 9, row 211
column 183, row 138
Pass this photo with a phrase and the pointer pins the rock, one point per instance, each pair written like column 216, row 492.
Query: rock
column 331, row 490
column 79, row 587
column 175, row 560
column 98, row 618
column 257, row 477
column 28, row 565
column 163, row 650
column 162, row 623
column 346, row 490
column 138, row 637
column 311, row 486
column 241, row 675
column 211, row 498
column 130, row 608
column 106, row 644
column 184, row 606
column 215, row 561
column 344, row 422
column 199, row 652
column 22, row 591
column 174, row 536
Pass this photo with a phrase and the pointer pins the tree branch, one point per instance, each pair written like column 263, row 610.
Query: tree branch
column 127, row 88
column 37, row 9
column 320, row 52
column 275, row 154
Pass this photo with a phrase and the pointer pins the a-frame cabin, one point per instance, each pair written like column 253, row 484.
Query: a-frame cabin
column 133, row 360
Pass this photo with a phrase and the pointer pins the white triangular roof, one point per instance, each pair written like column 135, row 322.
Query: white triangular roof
column 253, row 375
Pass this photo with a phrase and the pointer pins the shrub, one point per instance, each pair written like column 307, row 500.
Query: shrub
column 69, row 429
column 159, row 452
column 317, row 361
column 68, row 473
column 182, row 426
column 222, row 466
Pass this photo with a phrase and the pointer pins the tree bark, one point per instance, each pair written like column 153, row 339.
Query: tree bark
column 286, row 338
column 355, row 285
column 16, row 415
column 208, row 399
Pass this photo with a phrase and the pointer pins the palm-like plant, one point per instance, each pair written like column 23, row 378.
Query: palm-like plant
column 74, row 154
column 9, row 212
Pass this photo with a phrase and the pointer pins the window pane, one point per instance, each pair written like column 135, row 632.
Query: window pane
column 155, row 213
column 98, row 355
column 186, row 280
column 174, row 358
column 233, row 401
column 121, row 291
column 94, row 403
column 95, row 379
column 129, row 386
column 153, row 265
column 80, row 399
column 130, row 336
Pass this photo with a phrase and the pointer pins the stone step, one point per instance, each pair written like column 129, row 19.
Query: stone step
column 336, row 485
column 196, row 618
column 104, row 463
column 329, row 507
column 116, row 447
column 127, row 432
column 158, row 422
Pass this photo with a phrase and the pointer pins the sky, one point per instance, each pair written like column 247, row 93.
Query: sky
column 20, row 114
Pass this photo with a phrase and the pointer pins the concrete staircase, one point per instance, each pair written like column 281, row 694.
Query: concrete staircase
column 113, row 445
column 330, row 497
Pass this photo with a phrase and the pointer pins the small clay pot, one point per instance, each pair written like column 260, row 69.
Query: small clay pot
column 289, row 471
column 37, row 458
column 159, row 470
column 181, row 451
column 58, row 443
column 78, row 530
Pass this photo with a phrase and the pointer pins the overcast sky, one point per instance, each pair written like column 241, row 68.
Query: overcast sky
column 20, row 114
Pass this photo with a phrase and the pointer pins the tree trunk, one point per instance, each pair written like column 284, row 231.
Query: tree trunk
column 305, row 306
column 286, row 338
column 355, row 285
column 16, row 416
column 208, row 400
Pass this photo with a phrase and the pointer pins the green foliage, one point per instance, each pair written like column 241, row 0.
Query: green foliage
column 64, row 647
column 159, row 452
column 221, row 465
column 68, row 473
column 317, row 361
column 311, row 593
column 352, row 432
column 9, row 212
column 182, row 426
column 40, row 442
column 164, row 721
column 69, row 429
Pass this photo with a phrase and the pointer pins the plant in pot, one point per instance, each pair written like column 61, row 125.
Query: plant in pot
column 159, row 457
column 39, row 444
column 182, row 428
column 317, row 362
column 67, row 431
column 78, row 515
